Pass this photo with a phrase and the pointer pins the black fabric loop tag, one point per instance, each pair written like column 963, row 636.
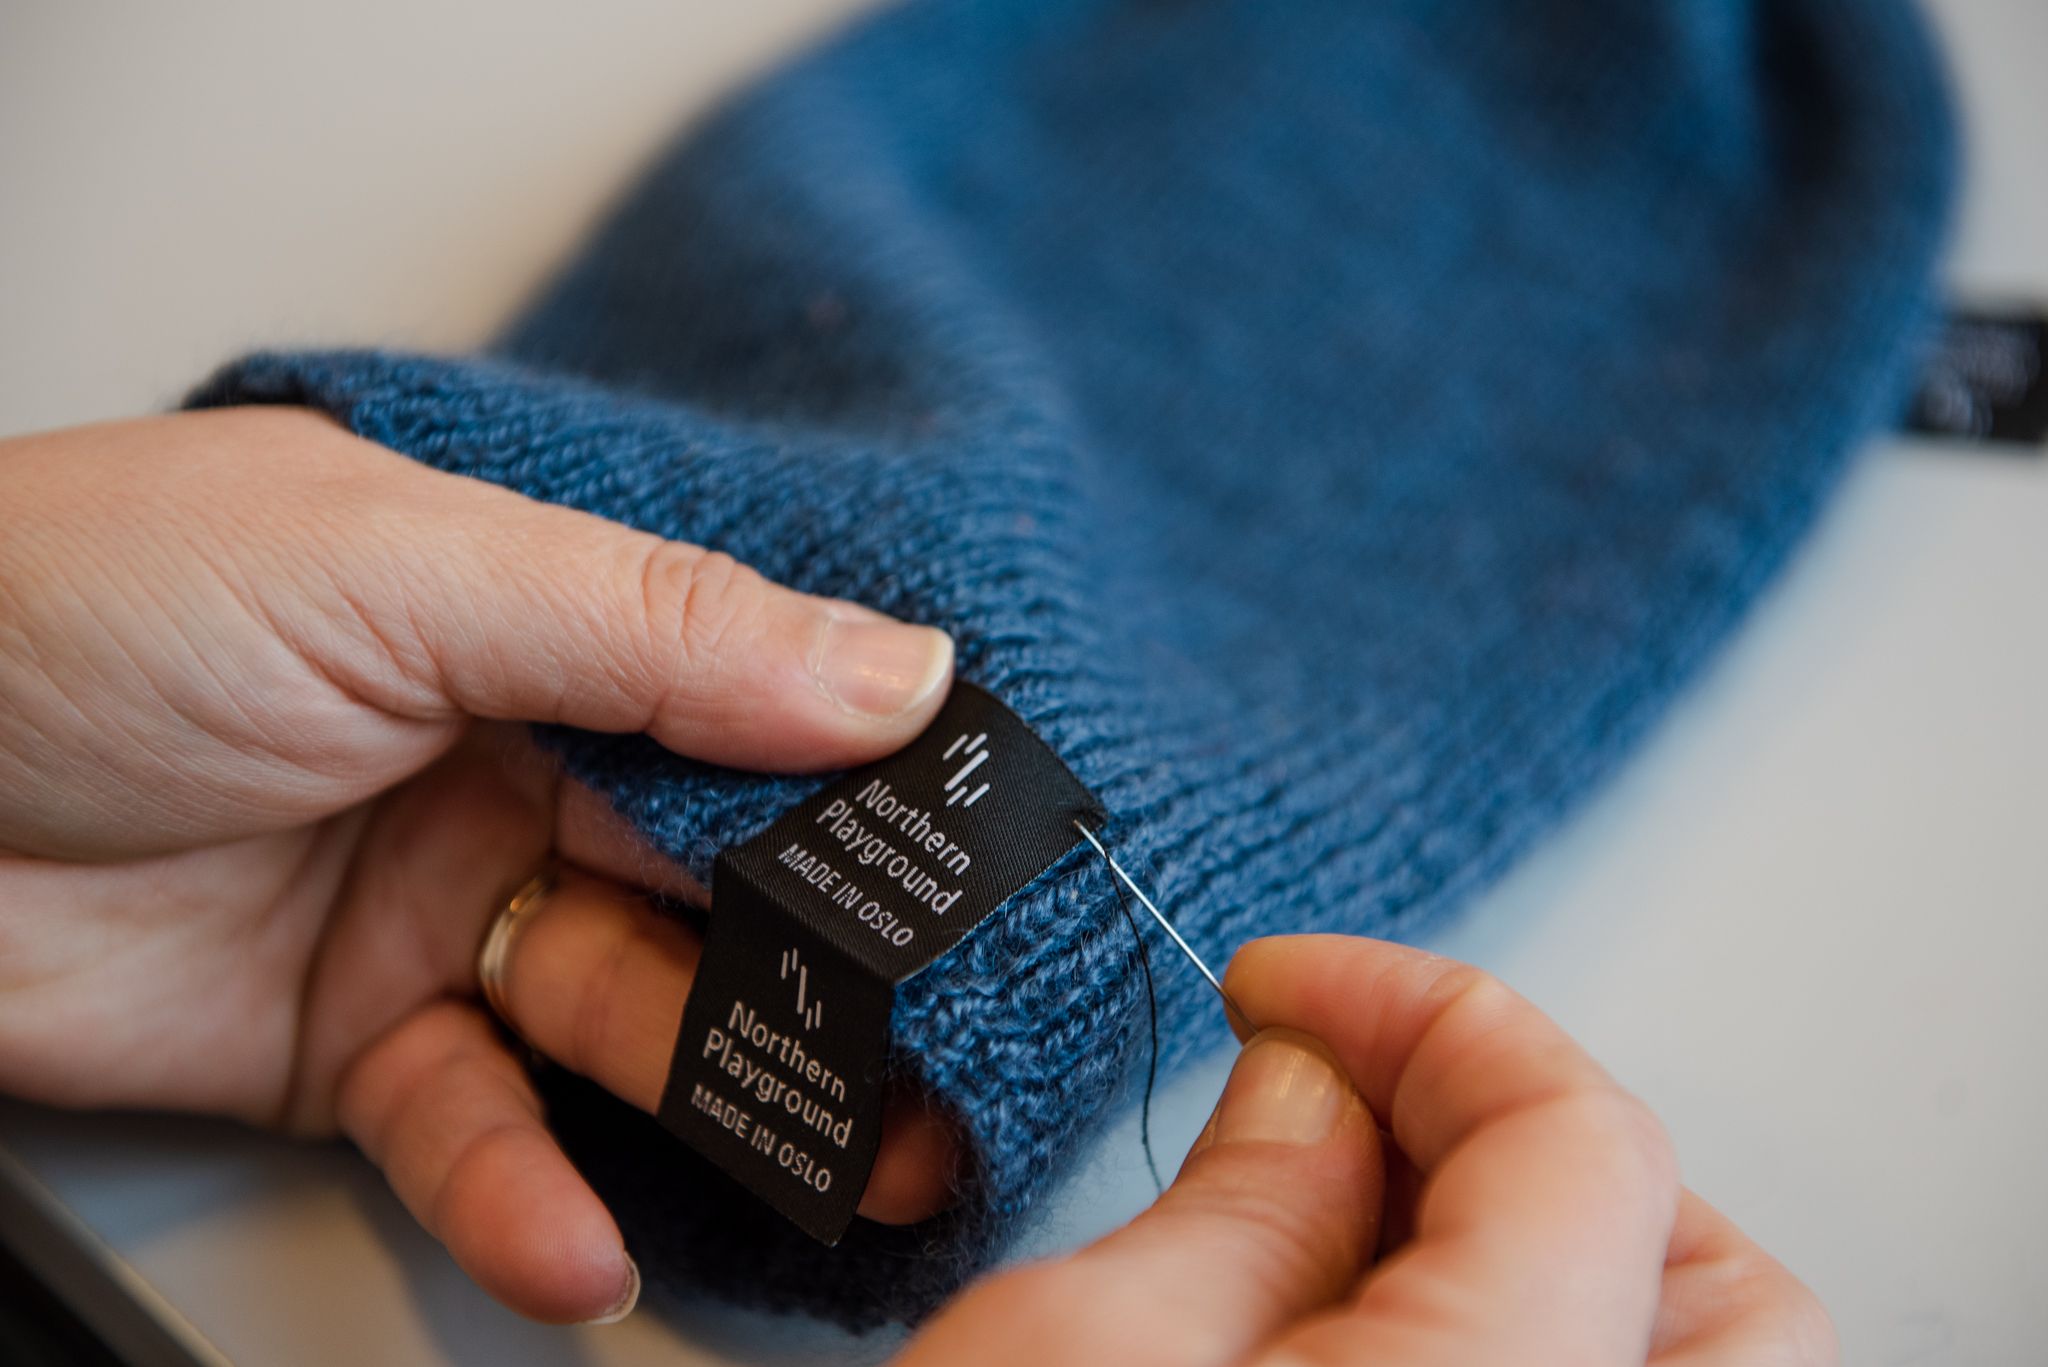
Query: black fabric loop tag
column 777, row 1071
column 1987, row 380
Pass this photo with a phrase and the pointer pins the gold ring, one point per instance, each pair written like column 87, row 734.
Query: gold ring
column 495, row 956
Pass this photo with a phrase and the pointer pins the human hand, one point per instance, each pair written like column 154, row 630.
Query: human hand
column 1410, row 1165
column 259, row 798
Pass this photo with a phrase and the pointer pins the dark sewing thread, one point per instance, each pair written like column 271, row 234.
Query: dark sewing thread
column 1123, row 900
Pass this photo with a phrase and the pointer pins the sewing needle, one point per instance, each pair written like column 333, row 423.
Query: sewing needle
column 1230, row 1006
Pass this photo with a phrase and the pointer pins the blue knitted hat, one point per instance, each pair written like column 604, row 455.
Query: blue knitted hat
column 1336, row 428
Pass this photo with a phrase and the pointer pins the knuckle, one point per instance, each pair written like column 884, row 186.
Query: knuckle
column 1281, row 1242
column 1638, row 1136
column 468, row 1170
column 696, row 602
column 1474, row 991
column 593, row 1037
column 1793, row 1318
column 604, row 1033
column 1468, row 1010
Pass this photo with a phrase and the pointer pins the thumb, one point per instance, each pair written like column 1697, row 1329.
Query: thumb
column 462, row 596
column 1271, row 1218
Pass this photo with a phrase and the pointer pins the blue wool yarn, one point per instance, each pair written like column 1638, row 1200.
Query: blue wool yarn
column 1337, row 428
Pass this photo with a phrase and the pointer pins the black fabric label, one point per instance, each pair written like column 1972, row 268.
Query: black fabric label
column 1987, row 380
column 777, row 1072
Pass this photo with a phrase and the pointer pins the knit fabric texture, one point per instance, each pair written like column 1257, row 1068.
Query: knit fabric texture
column 1337, row 428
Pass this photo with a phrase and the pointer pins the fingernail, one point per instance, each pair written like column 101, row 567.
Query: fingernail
column 1284, row 1090
column 626, row 1302
column 880, row 667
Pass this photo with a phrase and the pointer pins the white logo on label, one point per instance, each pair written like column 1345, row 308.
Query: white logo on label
column 810, row 1008
column 977, row 749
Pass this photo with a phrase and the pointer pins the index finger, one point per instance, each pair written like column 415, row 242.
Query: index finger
column 1549, row 1193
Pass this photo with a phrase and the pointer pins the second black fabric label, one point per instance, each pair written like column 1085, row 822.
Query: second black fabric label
column 777, row 1072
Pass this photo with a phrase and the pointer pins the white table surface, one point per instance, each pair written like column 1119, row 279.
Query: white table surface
column 1809, row 924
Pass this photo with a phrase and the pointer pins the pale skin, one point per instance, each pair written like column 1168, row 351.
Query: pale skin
column 263, row 785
